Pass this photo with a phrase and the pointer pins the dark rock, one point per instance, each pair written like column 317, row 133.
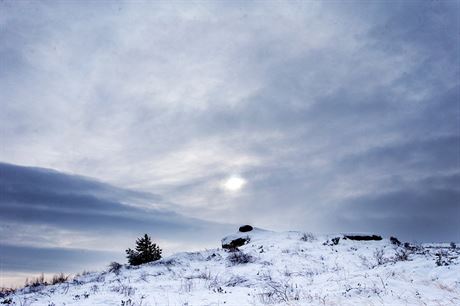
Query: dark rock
column 245, row 228
column 234, row 244
column 363, row 237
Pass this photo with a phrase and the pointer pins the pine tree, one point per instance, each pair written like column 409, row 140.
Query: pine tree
column 146, row 251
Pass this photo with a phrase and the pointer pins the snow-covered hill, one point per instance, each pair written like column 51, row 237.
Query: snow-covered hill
column 289, row 268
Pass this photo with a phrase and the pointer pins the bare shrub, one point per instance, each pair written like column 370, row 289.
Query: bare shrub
column 7, row 301
column 363, row 289
column 77, row 281
column 186, row 285
column 402, row 254
column 143, row 276
column 124, row 289
column 307, row 237
column 128, row 302
column 198, row 256
column 279, row 292
column 206, row 275
column 168, row 262
column 238, row 258
column 59, row 279
column 236, row 280
column 366, row 262
column 378, row 256
column 414, row 248
column 4, row 292
column 214, row 282
column 36, row 282
column 442, row 258
column 395, row 241
column 115, row 267
column 214, row 256
column 23, row 301
column 333, row 241
column 94, row 289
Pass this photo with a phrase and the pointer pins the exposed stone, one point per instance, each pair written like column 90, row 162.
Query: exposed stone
column 363, row 237
column 235, row 243
column 245, row 228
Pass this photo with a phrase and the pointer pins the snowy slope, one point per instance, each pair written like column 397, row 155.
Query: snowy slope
column 282, row 269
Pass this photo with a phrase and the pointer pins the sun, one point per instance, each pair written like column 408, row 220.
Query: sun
column 234, row 183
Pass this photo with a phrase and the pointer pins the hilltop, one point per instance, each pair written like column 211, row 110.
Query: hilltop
column 272, row 268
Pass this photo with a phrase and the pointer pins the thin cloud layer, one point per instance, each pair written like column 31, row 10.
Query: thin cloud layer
column 46, row 212
column 339, row 116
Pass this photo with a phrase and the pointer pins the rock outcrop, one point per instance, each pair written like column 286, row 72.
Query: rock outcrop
column 362, row 237
column 245, row 234
column 245, row 228
column 235, row 243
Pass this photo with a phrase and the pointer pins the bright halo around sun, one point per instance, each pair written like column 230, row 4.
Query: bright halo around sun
column 234, row 183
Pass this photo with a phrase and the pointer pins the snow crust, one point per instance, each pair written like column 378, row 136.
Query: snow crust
column 288, row 268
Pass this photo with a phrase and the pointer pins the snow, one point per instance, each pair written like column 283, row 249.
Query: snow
column 284, row 270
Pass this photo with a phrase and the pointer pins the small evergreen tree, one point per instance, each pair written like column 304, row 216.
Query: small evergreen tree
column 146, row 251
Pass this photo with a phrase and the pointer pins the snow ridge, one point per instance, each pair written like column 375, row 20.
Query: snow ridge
column 289, row 268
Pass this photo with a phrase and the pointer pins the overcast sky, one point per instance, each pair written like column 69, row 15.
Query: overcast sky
column 182, row 119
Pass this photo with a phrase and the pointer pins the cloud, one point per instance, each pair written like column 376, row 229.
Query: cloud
column 53, row 222
column 46, row 211
column 36, row 260
column 315, row 105
column 430, row 214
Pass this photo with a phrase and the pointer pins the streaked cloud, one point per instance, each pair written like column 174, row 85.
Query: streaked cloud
column 332, row 112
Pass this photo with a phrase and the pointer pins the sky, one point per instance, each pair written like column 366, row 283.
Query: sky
column 186, row 119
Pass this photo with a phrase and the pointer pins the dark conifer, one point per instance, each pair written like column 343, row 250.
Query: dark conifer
column 146, row 251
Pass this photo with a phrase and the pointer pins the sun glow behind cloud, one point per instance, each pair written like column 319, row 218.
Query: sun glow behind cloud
column 234, row 183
